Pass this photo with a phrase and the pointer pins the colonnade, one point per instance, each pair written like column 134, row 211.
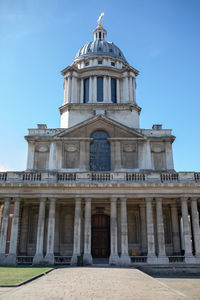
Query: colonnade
column 147, row 232
column 74, row 89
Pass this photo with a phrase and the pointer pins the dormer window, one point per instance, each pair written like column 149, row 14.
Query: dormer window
column 87, row 63
column 112, row 64
column 110, row 50
column 99, row 62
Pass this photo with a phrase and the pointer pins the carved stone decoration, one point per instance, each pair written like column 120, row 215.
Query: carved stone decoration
column 129, row 156
column 41, row 158
column 71, row 157
column 158, row 156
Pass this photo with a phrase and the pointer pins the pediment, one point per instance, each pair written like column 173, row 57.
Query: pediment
column 113, row 128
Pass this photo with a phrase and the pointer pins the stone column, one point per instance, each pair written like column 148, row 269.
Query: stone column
column 91, row 89
column 114, row 257
column 109, row 89
column 77, row 231
column 126, row 90
column 87, row 257
column 143, row 229
column 95, row 89
column 52, row 156
column 4, row 230
column 105, row 89
column 195, row 227
column 151, row 256
column 39, row 256
column 82, row 90
column 73, row 90
column 130, row 89
column 189, row 258
column 69, row 89
column 148, row 155
column 11, row 259
column 134, row 90
column 169, row 156
column 175, row 229
column 162, row 258
column 49, row 258
column 124, row 258
column 30, row 157
column 118, row 91
column 24, row 230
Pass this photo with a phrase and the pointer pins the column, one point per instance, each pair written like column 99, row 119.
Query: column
column 148, row 155
column 77, row 231
column 87, row 257
column 39, row 257
column 130, row 89
column 109, row 89
column 143, row 229
column 162, row 258
column 24, row 230
column 117, row 156
column 134, row 90
column 186, row 232
column 126, row 90
column 69, row 87
column 49, row 258
column 73, row 90
column 30, row 157
column 175, row 229
column 4, row 230
column 169, row 156
column 118, row 91
column 95, row 89
column 151, row 256
column 124, row 258
column 52, row 156
column 91, row 89
column 11, row 259
column 82, row 90
column 195, row 227
column 114, row 257
column 105, row 89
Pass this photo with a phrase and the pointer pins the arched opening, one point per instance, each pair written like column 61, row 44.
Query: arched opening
column 100, row 152
column 100, row 236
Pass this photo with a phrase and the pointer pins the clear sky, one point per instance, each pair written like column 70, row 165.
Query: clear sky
column 159, row 38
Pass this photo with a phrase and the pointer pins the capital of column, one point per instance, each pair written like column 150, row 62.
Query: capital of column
column 149, row 199
column 52, row 199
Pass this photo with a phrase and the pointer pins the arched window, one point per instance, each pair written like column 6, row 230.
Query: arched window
column 99, row 89
column 100, row 152
column 86, row 90
column 113, row 90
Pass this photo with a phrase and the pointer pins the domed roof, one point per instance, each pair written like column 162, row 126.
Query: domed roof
column 100, row 48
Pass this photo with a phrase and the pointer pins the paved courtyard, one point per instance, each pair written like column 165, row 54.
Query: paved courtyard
column 104, row 283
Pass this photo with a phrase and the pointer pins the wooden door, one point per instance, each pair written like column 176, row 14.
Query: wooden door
column 100, row 236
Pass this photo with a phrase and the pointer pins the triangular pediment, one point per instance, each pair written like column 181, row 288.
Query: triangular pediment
column 100, row 122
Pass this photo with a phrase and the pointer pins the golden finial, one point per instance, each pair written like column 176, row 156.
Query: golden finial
column 99, row 20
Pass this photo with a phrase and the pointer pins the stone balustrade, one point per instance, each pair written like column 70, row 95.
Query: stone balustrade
column 54, row 177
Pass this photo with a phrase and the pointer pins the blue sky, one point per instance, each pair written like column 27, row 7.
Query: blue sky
column 159, row 38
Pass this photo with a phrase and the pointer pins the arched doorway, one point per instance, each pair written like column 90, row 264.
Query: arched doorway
column 100, row 236
column 100, row 152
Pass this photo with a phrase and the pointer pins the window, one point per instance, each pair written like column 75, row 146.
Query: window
column 100, row 151
column 110, row 50
column 113, row 90
column 86, row 90
column 112, row 64
column 99, row 89
column 100, row 35
column 99, row 62
column 87, row 63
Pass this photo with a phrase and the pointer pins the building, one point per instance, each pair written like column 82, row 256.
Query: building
column 100, row 187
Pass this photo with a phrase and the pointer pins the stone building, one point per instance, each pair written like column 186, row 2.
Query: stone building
column 100, row 187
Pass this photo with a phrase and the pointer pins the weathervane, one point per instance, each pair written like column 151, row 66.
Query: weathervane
column 99, row 19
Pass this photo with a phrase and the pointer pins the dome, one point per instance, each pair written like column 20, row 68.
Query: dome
column 100, row 48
